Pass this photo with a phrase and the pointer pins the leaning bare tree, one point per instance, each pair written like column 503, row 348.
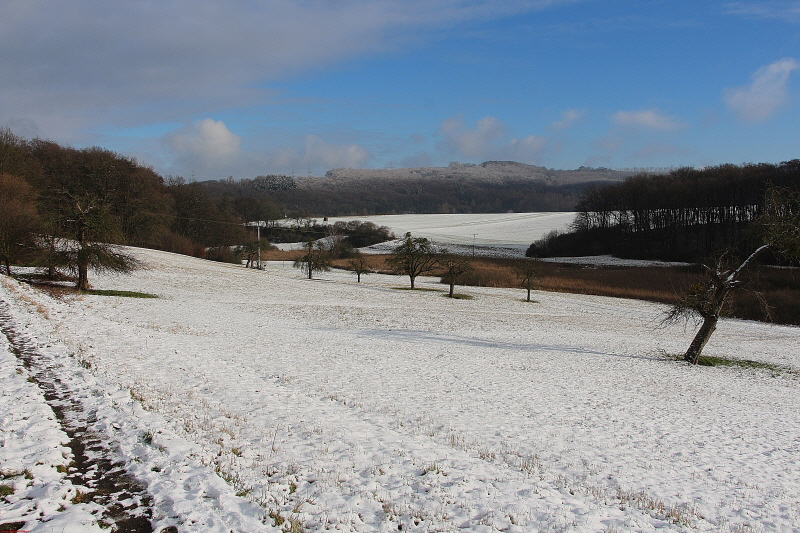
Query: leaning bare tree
column 778, row 230
column 414, row 256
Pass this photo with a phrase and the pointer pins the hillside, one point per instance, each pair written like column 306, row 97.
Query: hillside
column 329, row 405
column 491, row 187
column 497, row 172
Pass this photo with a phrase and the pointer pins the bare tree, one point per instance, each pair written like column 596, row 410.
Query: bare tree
column 252, row 251
column 454, row 267
column 315, row 259
column 414, row 256
column 528, row 274
column 358, row 265
column 18, row 221
column 778, row 229
column 89, row 220
column 334, row 237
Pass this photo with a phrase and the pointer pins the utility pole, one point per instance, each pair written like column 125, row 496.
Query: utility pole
column 257, row 224
column 258, row 230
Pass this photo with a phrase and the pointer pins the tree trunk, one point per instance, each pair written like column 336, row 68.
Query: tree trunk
column 83, row 277
column 412, row 282
column 358, row 276
column 529, row 295
column 701, row 338
column 452, row 285
column 83, row 261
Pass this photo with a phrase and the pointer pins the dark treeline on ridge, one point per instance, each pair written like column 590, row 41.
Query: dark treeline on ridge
column 491, row 187
column 683, row 215
column 98, row 195
column 67, row 193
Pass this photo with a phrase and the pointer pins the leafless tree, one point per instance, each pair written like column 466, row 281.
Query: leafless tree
column 315, row 259
column 358, row 265
column 454, row 267
column 778, row 229
column 334, row 236
column 414, row 256
column 528, row 274
column 18, row 221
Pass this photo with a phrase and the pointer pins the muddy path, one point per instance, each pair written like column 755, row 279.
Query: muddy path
column 96, row 469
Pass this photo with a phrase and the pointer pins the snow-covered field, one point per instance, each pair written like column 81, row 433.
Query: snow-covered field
column 505, row 230
column 259, row 401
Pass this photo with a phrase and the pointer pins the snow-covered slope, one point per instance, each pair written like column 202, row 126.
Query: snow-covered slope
column 514, row 231
column 340, row 406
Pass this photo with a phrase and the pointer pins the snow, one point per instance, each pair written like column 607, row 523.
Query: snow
column 240, row 394
column 504, row 230
column 484, row 235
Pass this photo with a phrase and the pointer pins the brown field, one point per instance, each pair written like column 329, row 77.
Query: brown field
column 779, row 287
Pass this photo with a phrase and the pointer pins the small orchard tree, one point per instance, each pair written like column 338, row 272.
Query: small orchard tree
column 528, row 274
column 252, row 251
column 414, row 256
column 358, row 265
column 778, row 229
column 454, row 267
column 315, row 259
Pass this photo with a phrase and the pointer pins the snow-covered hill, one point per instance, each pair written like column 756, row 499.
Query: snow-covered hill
column 258, row 401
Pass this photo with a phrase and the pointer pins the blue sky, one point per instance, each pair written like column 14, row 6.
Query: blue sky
column 210, row 89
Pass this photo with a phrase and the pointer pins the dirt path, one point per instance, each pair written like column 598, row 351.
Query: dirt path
column 96, row 467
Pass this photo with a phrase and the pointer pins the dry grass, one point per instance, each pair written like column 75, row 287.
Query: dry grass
column 780, row 287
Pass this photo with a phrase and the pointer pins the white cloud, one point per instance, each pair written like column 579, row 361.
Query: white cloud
column 568, row 119
column 72, row 65
column 646, row 119
column 488, row 140
column 319, row 153
column 766, row 93
column 472, row 143
column 207, row 145
column 640, row 135
column 781, row 9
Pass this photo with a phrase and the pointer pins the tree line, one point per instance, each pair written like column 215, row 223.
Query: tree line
column 682, row 215
column 345, row 196
column 65, row 209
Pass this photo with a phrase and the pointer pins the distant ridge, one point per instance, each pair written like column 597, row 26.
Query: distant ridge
column 489, row 187
column 489, row 172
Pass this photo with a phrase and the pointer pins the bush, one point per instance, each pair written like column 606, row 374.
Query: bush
column 224, row 254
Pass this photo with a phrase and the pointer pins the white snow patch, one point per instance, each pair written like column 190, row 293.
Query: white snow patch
column 360, row 407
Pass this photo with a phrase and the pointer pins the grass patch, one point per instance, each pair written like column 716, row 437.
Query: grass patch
column 709, row 360
column 423, row 289
column 6, row 490
column 458, row 296
column 126, row 294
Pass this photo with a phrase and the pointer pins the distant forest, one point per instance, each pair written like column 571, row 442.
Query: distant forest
column 679, row 215
column 54, row 185
column 491, row 187
column 683, row 215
